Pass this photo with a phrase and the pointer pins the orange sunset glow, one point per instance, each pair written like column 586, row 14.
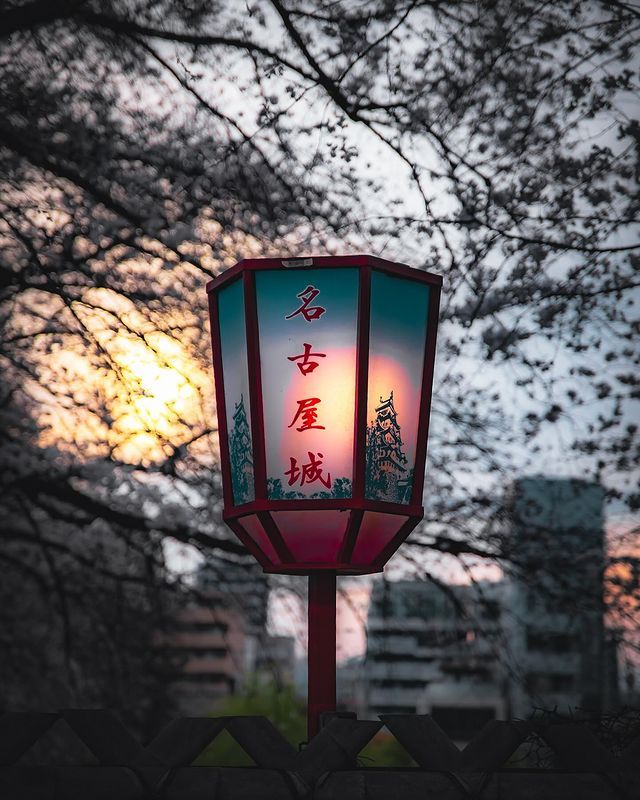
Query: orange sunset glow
column 138, row 392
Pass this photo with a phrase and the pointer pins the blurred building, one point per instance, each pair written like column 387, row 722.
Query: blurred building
column 274, row 659
column 220, row 639
column 244, row 584
column 206, row 642
column 432, row 649
column 351, row 686
column 560, row 649
column 537, row 639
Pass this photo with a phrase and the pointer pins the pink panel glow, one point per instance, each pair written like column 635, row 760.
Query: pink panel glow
column 376, row 531
column 312, row 535
column 253, row 527
column 307, row 328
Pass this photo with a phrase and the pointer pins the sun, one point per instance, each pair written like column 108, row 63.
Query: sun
column 158, row 399
column 138, row 391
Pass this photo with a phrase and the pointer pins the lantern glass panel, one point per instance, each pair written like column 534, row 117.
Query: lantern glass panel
column 312, row 536
column 399, row 310
column 376, row 531
column 233, row 345
column 253, row 527
column 308, row 329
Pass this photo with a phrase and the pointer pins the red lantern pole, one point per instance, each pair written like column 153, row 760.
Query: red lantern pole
column 321, row 692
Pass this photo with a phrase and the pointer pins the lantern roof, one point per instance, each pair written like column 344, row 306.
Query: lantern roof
column 308, row 262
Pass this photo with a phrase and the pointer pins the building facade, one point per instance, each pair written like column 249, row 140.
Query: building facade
column 219, row 640
column 534, row 640
column 206, row 641
column 432, row 649
column 561, row 653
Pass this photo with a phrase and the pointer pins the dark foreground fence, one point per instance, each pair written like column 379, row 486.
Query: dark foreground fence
column 487, row 769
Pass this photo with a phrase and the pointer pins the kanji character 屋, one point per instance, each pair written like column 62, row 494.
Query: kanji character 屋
column 307, row 413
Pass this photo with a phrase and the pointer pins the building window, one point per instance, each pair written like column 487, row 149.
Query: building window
column 547, row 642
column 397, row 683
column 198, row 626
column 542, row 683
column 491, row 609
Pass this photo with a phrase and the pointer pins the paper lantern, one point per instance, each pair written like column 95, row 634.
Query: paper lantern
column 324, row 370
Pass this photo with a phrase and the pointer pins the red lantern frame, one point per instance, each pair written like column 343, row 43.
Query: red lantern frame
column 356, row 506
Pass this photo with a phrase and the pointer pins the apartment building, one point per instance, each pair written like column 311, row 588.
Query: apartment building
column 562, row 655
column 536, row 639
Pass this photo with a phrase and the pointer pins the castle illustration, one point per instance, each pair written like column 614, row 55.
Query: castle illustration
column 241, row 456
column 387, row 476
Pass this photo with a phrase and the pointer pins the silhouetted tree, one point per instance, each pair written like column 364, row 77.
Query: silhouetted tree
column 144, row 147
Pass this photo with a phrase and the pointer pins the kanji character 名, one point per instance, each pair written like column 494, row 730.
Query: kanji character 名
column 309, row 473
column 308, row 414
column 308, row 312
column 307, row 365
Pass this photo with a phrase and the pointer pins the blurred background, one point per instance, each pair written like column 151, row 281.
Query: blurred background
column 145, row 147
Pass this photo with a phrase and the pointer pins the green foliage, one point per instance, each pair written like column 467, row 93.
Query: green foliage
column 287, row 713
column 384, row 750
column 272, row 700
